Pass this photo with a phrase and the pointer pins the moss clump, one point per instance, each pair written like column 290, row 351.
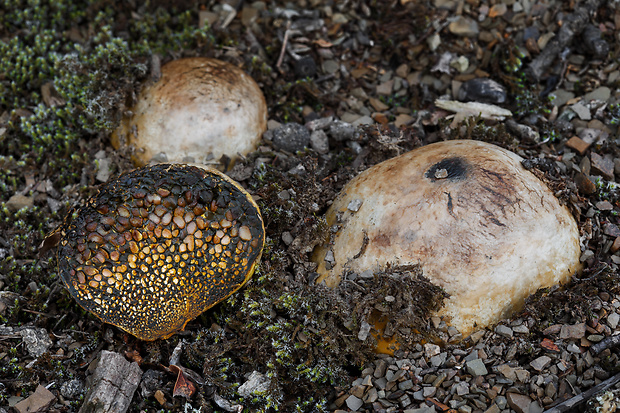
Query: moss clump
column 573, row 304
column 476, row 128
column 294, row 337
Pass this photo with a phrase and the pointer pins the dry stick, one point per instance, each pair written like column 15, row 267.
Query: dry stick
column 605, row 344
column 284, row 42
column 572, row 403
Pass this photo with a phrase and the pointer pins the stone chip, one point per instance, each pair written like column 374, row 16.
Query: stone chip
column 39, row 401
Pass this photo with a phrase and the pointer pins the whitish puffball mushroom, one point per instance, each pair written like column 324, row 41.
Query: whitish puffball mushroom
column 200, row 110
column 480, row 225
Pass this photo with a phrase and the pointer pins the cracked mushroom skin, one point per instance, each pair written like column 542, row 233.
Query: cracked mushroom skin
column 480, row 225
column 158, row 246
column 200, row 109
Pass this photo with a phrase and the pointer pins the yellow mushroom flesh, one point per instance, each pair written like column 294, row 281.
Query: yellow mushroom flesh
column 158, row 246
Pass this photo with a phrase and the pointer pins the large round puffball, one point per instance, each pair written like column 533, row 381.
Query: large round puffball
column 479, row 224
column 199, row 110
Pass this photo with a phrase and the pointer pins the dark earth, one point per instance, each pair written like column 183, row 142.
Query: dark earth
column 348, row 85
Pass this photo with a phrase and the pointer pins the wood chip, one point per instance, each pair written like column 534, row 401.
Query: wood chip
column 112, row 385
column 578, row 144
column 549, row 345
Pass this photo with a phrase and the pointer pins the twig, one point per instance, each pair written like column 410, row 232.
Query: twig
column 284, row 42
column 604, row 344
column 37, row 313
column 572, row 403
column 229, row 18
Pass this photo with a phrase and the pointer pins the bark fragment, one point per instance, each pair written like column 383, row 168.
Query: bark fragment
column 112, row 385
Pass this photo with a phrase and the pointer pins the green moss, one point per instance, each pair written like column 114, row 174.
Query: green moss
column 528, row 101
column 289, row 345
column 161, row 31
column 47, row 43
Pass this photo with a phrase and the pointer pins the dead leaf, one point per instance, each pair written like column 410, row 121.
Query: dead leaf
column 360, row 72
column 323, row 43
column 134, row 355
column 50, row 96
column 549, row 345
column 183, row 386
column 51, row 241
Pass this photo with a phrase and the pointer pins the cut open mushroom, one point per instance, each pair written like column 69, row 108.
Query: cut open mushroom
column 158, row 246
column 481, row 226
column 200, row 110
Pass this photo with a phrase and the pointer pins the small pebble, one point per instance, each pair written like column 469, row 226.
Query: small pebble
column 482, row 90
column 602, row 93
column 439, row 359
column 380, row 368
column 103, row 170
column 354, row 403
column 160, row 397
column 18, row 201
column 464, row 26
column 574, row 331
column 582, row 111
column 504, row 331
column 540, row 363
column 603, row 165
column 71, row 389
column 305, row 67
column 291, row 137
column 341, row 131
column 593, row 41
column 255, row 384
column 578, row 144
column 476, row 367
column 330, row 66
column 561, row 96
column 37, row 340
column 287, row 238
column 39, row 401
column 319, row 141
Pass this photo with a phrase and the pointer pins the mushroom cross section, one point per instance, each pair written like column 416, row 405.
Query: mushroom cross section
column 158, row 246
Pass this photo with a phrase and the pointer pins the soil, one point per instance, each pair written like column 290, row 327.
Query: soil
column 367, row 74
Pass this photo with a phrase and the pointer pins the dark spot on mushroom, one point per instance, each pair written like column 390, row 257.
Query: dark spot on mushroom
column 454, row 169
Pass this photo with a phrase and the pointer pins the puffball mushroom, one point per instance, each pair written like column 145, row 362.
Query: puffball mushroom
column 158, row 246
column 480, row 225
column 201, row 108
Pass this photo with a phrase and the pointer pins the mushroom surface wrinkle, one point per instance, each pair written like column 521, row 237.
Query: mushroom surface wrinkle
column 200, row 110
column 480, row 225
column 158, row 246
